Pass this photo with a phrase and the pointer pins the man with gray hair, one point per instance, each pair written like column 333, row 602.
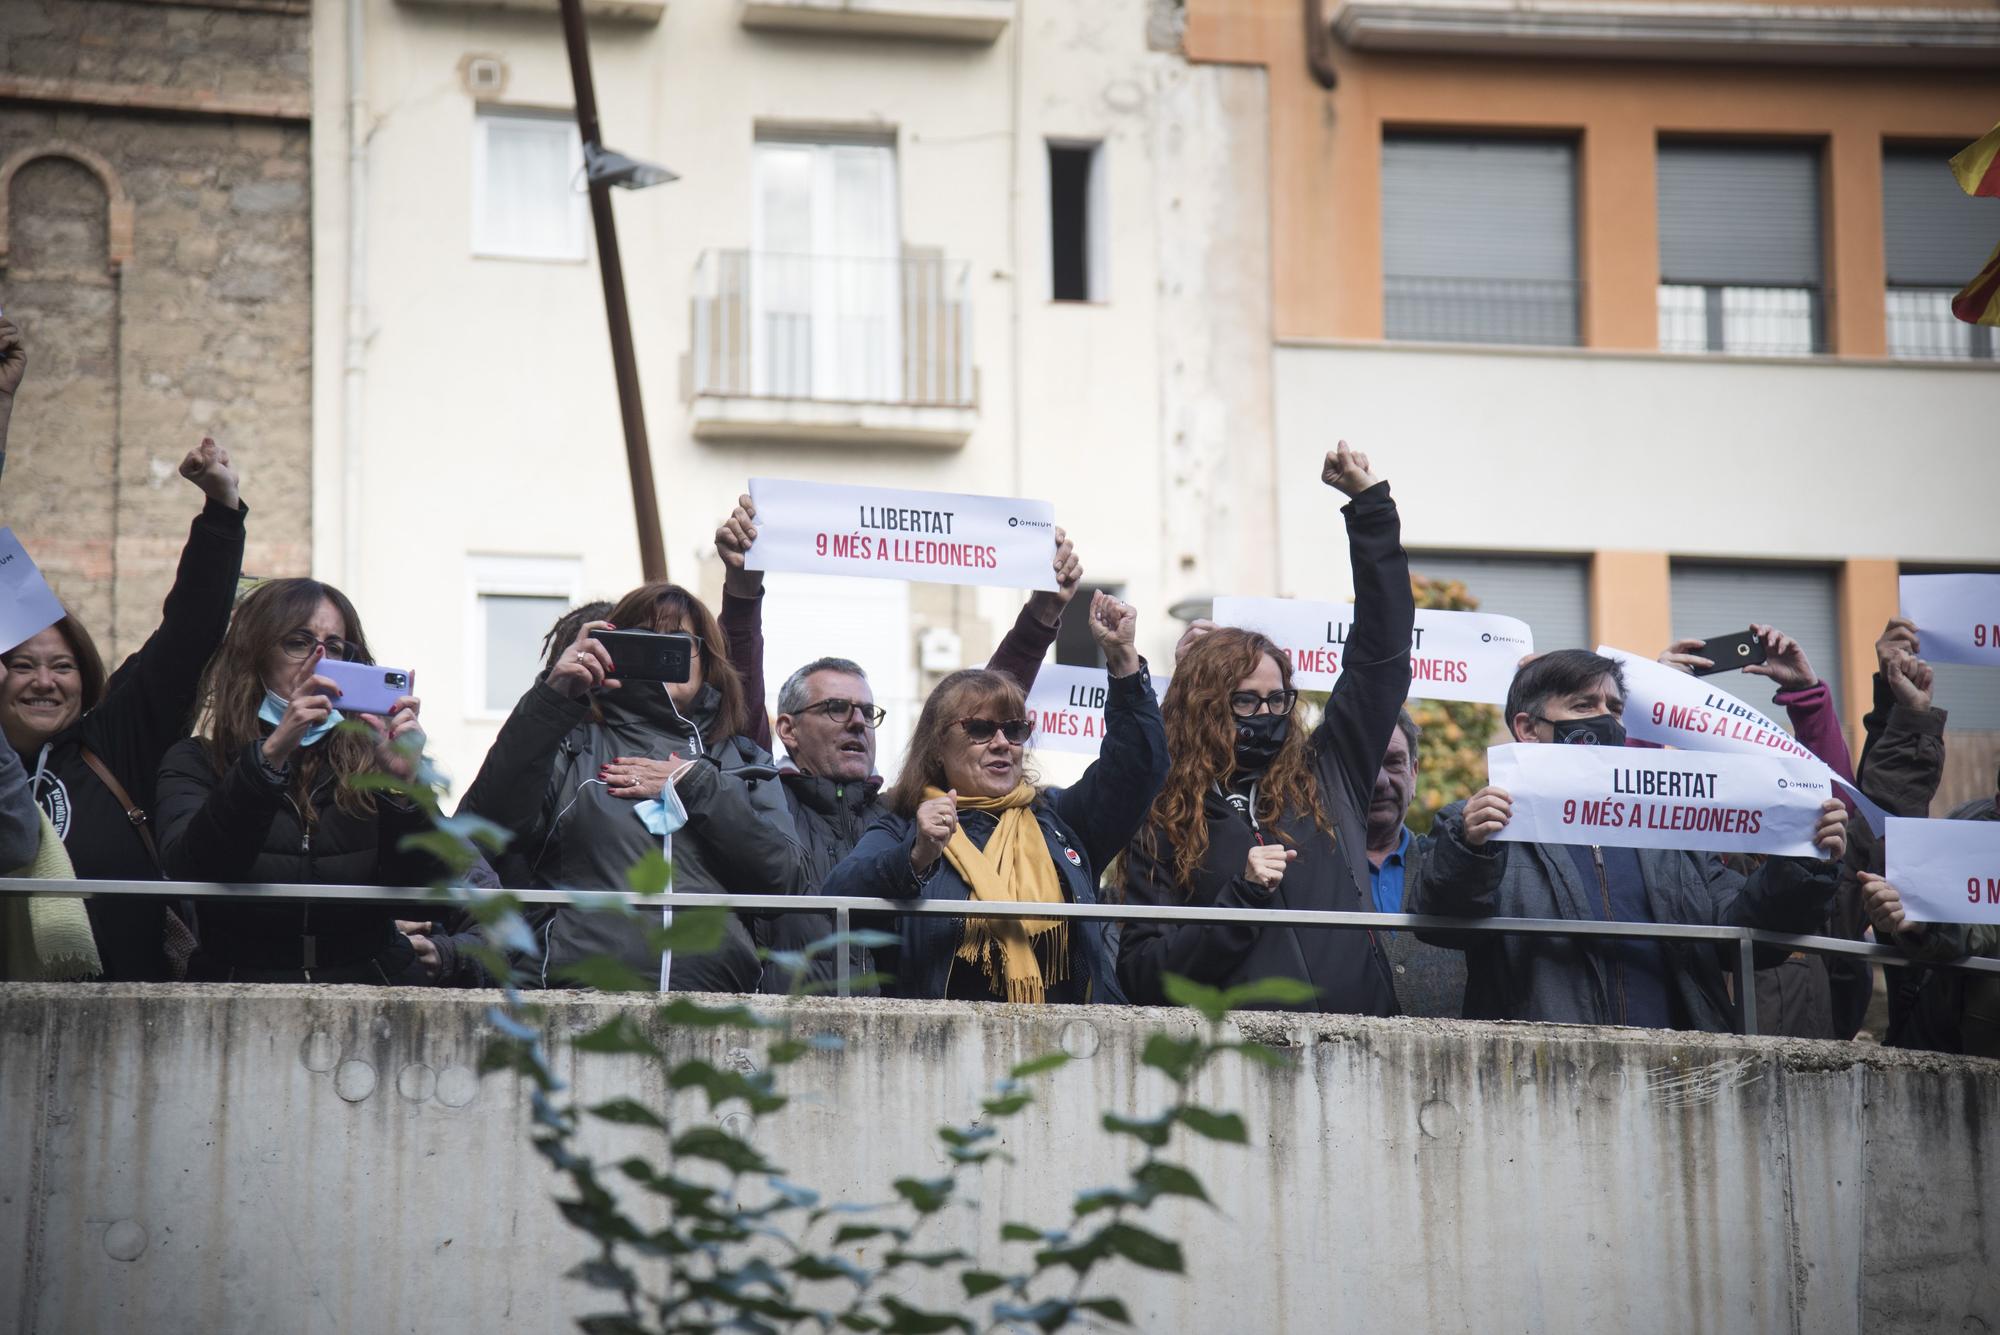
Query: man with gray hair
column 1429, row 979
column 827, row 715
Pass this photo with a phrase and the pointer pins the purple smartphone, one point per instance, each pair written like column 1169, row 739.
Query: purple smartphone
column 366, row 688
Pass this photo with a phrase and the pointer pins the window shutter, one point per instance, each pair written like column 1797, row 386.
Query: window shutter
column 1711, row 600
column 1934, row 235
column 1551, row 594
column 1741, row 215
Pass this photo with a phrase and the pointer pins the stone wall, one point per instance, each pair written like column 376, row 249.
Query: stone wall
column 325, row 1159
column 195, row 323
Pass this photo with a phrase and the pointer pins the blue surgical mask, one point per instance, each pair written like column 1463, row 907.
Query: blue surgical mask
column 664, row 814
column 272, row 711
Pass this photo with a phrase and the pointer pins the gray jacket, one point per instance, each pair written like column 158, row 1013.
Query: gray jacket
column 1429, row 978
column 20, row 818
column 1563, row 980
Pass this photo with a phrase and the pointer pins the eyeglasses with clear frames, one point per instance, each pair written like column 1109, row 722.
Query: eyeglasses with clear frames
column 299, row 645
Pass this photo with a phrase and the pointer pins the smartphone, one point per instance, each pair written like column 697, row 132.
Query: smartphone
column 366, row 688
column 648, row 655
column 1730, row 652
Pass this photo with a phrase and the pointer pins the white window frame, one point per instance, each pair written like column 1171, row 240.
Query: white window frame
column 508, row 576
column 576, row 241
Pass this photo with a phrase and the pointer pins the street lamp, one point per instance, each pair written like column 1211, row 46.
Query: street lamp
column 605, row 166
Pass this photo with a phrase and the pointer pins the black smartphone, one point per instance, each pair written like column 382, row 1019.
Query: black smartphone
column 1730, row 652
column 648, row 655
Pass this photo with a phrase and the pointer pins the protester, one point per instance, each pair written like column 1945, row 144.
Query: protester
column 964, row 822
column 1804, row 995
column 43, row 938
column 579, row 774
column 1573, row 696
column 1020, row 653
column 1429, row 979
column 264, row 793
column 20, row 818
column 93, row 746
column 1257, row 813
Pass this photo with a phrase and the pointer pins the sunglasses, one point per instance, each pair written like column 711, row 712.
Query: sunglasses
column 300, row 643
column 841, row 710
column 980, row 730
column 1245, row 704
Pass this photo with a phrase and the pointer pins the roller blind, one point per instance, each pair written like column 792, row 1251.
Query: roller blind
column 1551, row 594
column 1712, row 600
column 1934, row 235
column 1739, row 215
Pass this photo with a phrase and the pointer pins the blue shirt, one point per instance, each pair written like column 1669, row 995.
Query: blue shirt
column 1639, row 972
column 1386, row 881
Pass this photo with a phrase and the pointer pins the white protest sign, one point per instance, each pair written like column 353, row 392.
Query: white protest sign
column 886, row 533
column 1454, row 655
column 27, row 605
column 1945, row 870
column 1957, row 616
column 1671, row 708
column 1636, row 797
column 1067, row 705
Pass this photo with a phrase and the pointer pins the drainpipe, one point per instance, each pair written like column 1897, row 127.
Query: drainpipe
column 1319, row 45
column 355, row 352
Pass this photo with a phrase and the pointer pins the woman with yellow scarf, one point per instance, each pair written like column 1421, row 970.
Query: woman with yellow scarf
column 965, row 821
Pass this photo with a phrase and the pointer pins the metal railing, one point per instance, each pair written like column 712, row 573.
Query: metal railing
column 1480, row 310
column 842, row 909
column 1920, row 324
column 833, row 328
column 1748, row 321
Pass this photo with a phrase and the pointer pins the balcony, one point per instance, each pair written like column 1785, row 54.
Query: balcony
column 832, row 348
column 1922, row 326
column 979, row 21
column 1479, row 310
column 1745, row 321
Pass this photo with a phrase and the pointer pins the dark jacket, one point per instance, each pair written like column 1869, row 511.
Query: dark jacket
column 245, row 825
column 1429, row 978
column 1346, row 968
column 1084, row 826
column 20, row 819
column 540, row 781
column 146, row 707
column 1566, row 980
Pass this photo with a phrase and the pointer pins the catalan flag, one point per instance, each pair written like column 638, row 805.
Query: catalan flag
column 1977, row 165
column 1979, row 302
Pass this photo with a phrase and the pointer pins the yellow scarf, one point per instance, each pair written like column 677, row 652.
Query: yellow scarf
column 43, row 939
column 1019, row 956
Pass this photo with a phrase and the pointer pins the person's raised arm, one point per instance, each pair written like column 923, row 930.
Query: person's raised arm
column 1026, row 644
column 1375, row 667
column 13, row 367
column 1906, row 759
column 1899, row 639
column 1807, row 701
column 742, row 615
column 1109, row 803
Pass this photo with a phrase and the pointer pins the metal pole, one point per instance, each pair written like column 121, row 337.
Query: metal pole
column 638, row 457
column 842, row 925
column 1746, row 983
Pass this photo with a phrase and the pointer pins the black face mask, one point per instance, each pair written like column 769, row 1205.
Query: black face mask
column 1259, row 738
column 1597, row 730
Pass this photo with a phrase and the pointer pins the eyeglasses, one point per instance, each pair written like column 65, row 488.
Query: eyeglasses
column 980, row 730
column 1245, row 704
column 842, row 710
column 300, row 643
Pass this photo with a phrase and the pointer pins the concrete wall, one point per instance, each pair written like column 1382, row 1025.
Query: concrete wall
column 323, row 1160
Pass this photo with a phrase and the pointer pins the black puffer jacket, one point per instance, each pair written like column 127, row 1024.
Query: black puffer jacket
column 245, row 825
column 540, row 781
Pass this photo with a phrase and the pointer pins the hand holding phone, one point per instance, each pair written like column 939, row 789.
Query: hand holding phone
column 367, row 688
column 649, row 655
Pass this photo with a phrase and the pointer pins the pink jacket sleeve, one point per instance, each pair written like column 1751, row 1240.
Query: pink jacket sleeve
column 1816, row 724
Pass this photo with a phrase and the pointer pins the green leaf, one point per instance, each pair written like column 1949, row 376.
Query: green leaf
column 928, row 1196
column 605, row 974
column 965, row 1137
column 811, row 1267
column 1006, row 1105
column 721, row 1086
column 1106, row 1198
column 1215, row 1125
column 651, row 874
column 1176, row 1056
column 602, row 1274
column 928, row 1260
column 867, row 940
column 615, row 1035
column 1195, row 996
column 1109, row 1308
column 1167, row 1179
column 1078, row 1254
column 713, row 1143
column 907, row 1320
column 692, row 932
column 1048, row 1061
column 1153, row 1131
column 628, row 1112
column 861, row 1233
column 978, row 1283
column 610, row 1323
column 1021, row 1233
column 1048, row 1314
column 1275, row 991
column 1140, row 1247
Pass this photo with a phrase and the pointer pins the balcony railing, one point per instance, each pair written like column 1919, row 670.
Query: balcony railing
column 1749, row 321
column 1479, row 310
column 1921, row 325
column 833, row 329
